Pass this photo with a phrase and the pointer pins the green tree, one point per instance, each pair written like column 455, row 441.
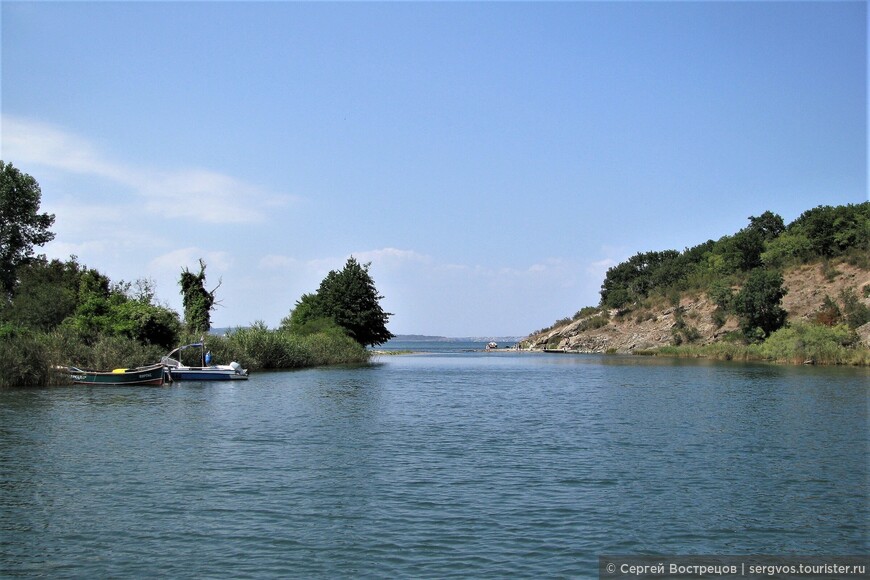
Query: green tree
column 198, row 302
column 308, row 318
column 769, row 225
column 349, row 298
column 145, row 322
column 790, row 247
column 115, row 310
column 834, row 230
column 134, row 313
column 46, row 294
column 21, row 225
column 758, row 304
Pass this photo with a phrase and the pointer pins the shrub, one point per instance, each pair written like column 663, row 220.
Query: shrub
column 586, row 311
column 594, row 322
column 856, row 313
column 25, row 360
column 810, row 343
column 758, row 304
column 259, row 348
column 829, row 314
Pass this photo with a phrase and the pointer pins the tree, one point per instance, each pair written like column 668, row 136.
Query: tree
column 769, row 225
column 100, row 308
column 21, row 225
column 47, row 293
column 198, row 302
column 349, row 298
column 834, row 230
column 758, row 304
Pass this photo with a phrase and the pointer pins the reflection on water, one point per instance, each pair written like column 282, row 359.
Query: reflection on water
column 464, row 464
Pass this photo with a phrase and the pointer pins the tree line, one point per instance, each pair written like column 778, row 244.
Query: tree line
column 751, row 259
column 57, row 312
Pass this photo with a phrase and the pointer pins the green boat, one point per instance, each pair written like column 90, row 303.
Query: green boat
column 154, row 375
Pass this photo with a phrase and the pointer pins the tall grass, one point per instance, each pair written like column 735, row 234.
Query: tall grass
column 258, row 348
column 814, row 343
column 40, row 359
column 798, row 343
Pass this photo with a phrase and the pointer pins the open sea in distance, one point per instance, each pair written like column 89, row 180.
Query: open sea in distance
column 444, row 464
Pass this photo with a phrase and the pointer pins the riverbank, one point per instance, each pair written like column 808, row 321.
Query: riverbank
column 826, row 305
column 31, row 359
column 799, row 344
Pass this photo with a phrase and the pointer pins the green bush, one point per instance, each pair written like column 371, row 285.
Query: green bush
column 594, row 322
column 856, row 313
column 25, row 360
column 758, row 304
column 811, row 343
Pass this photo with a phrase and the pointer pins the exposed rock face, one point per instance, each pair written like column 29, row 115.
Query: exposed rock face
column 693, row 321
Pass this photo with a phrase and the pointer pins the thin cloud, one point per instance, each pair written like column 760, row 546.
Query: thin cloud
column 192, row 194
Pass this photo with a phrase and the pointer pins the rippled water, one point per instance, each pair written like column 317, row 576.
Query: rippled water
column 440, row 465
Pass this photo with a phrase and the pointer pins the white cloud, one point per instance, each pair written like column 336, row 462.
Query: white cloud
column 38, row 143
column 190, row 193
column 206, row 196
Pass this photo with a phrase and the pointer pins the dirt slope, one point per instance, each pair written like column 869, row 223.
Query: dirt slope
column 658, row 325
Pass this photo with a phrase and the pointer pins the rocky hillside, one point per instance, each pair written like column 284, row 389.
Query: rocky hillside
column 661, row 323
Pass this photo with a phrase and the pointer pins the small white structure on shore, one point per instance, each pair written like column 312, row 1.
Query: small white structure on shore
column 491, row 345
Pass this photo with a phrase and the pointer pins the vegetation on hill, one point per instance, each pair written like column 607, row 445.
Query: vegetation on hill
column 55, row 313
column 742, row 275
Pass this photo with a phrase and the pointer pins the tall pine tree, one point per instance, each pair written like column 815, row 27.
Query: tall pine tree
column 349, row 298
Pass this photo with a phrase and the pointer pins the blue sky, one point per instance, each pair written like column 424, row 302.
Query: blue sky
column 491, row 160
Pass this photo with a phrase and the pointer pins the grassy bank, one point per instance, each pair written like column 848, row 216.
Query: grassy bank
column 32, row 358
column 799, row 343
column 258, row 348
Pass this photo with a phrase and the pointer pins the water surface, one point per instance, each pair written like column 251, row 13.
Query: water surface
column 452, row 464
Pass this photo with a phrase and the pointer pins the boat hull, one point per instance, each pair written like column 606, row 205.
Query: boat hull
column 154, row 375
column 215, row 373
column 208, row 372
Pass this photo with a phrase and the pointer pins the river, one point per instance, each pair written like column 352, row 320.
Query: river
column 446, row 464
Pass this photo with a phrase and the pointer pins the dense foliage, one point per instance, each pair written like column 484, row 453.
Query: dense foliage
column 758, row 304
column 54, row 295
column 21, row 225
column 731, row 257
column 347, row 298
column 57, row 313
column 197, row 301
